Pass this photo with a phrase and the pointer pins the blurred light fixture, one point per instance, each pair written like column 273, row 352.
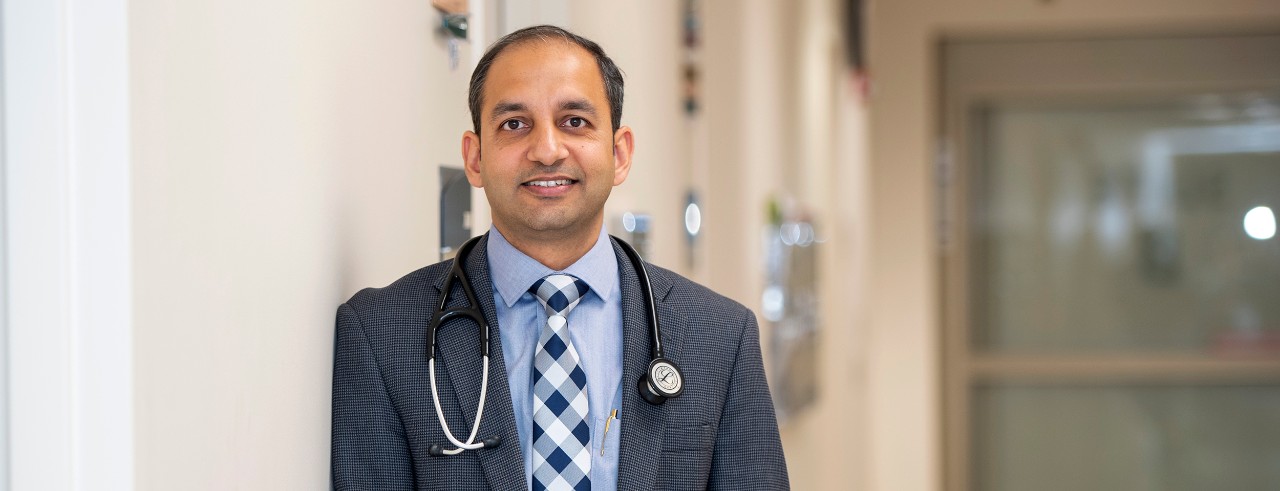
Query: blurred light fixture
column 629, row 221
column 1260, row 223
column 806, row 235
column 774, row 302
column 692, row 219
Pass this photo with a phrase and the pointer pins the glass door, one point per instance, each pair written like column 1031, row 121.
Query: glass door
column 1112, row 271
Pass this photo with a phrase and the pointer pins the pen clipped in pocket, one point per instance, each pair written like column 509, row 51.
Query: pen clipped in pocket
column 606, row 442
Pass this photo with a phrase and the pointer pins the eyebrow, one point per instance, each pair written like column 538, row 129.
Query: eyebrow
column 579, row 105
column 503, row 108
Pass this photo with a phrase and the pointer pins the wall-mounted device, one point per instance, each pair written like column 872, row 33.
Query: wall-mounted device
column 455, row 210
column 454, row 23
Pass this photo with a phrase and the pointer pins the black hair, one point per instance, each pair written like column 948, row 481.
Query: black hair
column 609, row 71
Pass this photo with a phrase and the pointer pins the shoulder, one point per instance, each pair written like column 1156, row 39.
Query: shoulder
column 409, row 290
column 697, row 302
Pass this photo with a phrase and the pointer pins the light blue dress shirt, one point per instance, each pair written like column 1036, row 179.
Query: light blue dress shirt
column 595, row 329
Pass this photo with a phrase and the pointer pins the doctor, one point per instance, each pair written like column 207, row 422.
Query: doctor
column 566, row 316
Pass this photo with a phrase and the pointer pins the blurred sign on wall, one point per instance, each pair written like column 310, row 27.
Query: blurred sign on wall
column 789, row 306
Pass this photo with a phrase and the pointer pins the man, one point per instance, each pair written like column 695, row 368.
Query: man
column 562, row 409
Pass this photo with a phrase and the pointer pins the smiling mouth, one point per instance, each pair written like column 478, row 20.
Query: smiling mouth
column 550, row 184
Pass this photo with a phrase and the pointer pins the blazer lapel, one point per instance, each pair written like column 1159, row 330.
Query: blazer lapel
column 459, row 350
column 643, row 423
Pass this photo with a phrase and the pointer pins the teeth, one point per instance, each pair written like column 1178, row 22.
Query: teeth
column 547, row 184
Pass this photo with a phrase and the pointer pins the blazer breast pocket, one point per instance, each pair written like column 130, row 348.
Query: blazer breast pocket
column 689, row 437
column 685, row 462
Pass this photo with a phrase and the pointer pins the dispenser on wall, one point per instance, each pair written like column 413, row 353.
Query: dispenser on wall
column 455, row 210
column 454, row 24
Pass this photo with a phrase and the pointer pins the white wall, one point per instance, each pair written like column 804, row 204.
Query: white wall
column 285, row 155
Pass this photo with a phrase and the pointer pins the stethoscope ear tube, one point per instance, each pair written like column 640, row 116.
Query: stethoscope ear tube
column 438, row 450
column 444, row 315
column 470, row 444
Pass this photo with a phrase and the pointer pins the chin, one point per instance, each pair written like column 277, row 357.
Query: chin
column 555, row 222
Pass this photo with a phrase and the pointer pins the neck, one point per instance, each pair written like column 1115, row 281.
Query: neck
column 555, row 250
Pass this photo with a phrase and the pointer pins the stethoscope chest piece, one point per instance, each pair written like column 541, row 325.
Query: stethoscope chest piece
column 663, row 381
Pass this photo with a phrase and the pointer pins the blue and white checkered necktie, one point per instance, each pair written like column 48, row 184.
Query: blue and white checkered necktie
column 561, row 454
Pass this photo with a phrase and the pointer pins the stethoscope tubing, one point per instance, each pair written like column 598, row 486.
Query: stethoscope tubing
column 470, row 444
column 648, row 390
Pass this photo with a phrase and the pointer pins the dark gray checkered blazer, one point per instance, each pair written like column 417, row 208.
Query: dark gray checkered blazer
column 720, row 434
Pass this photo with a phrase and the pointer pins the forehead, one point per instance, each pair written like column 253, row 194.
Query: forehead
column 539, row 70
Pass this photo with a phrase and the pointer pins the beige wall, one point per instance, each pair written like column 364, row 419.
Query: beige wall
column 902, row 392
column 285, row 155
column 647, row 56
column 783, row 120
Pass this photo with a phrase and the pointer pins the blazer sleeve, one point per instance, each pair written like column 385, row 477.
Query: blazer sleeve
column 748, row 451
column 369, row 448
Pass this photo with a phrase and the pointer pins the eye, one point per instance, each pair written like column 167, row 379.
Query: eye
column 512, row 124
column 576, row 122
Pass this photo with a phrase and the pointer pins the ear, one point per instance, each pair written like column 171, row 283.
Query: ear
column 471, row 158
column 623, row 147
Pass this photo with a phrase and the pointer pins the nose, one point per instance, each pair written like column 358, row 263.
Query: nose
column 546, row 147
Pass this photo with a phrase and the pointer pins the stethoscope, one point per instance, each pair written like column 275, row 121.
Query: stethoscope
column 662, row 381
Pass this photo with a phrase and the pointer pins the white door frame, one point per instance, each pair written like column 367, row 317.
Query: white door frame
column 67, row 246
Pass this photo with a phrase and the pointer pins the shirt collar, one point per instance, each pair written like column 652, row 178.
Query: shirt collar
column 513, row 272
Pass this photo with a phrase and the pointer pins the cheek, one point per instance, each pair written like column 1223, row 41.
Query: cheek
column 501, row 159
column 593, row 152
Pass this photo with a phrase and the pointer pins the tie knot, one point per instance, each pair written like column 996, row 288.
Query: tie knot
column 559, row 293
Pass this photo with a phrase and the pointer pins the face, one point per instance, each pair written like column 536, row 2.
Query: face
column 546, row 155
